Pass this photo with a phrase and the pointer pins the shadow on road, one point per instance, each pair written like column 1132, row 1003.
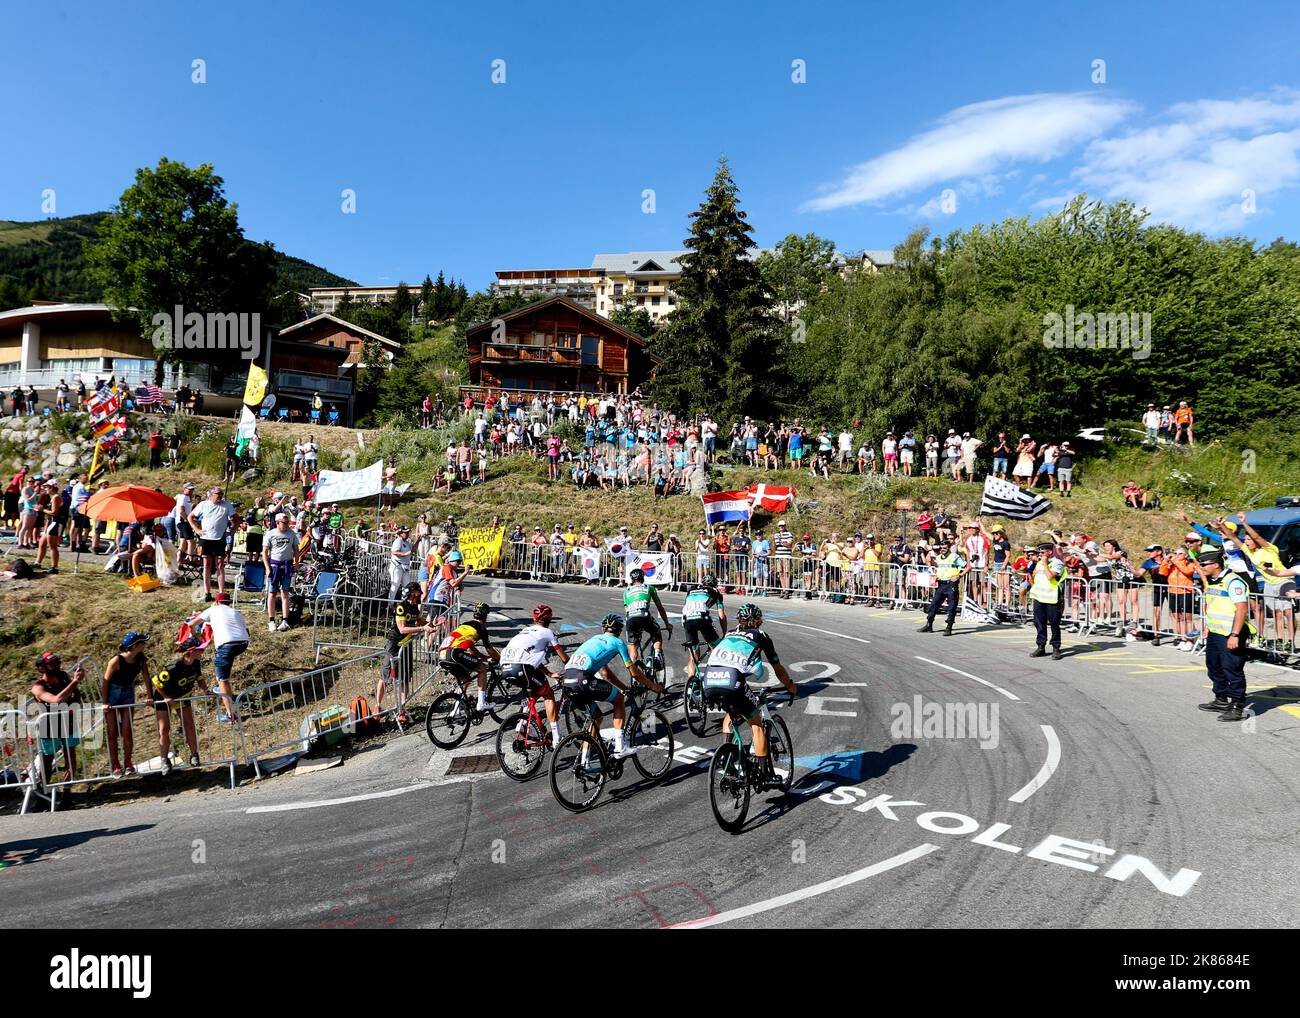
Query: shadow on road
column 26, row 851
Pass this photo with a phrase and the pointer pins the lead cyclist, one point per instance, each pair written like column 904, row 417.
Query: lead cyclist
column 736, row 659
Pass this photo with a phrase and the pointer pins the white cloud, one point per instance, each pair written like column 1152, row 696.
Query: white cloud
column 1195, row 168
column 979, row 141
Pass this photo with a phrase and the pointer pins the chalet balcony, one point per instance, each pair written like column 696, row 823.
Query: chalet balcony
column 532, row 353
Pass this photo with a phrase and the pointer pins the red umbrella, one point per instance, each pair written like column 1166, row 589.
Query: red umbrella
column 129, row 503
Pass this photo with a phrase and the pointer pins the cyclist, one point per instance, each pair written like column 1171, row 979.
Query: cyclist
column 590, row 681
column 737, row 658
column 523, row 659
column 467, row 650
column 637, row 601
column 700, row 599
column 405, row 626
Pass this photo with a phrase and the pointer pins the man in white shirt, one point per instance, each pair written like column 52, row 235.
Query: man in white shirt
column 523, row 663
column 1151, row 422
column 969, row 447
column 846, row 447
column 181, row 518
column 80, row 524
column 210, row 520
column 399, row 565
column 229, row 640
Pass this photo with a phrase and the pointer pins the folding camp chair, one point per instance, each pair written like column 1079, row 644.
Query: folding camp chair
column 251, row 579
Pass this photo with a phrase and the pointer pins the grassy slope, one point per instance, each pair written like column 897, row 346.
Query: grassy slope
column 88, row 613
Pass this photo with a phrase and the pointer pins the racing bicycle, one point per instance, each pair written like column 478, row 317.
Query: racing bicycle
column 524, row 737
column 451, row 714
column 584, row 762
column 734, row 772
column 697, row 715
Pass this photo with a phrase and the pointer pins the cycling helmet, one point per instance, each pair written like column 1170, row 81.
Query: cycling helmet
column 132, row 638
column 709, row 580
column 542, row 614
column 47, row 660
column 193, row 643
column 635, row 576
column 455, row 556
column 413, row 588
column 612, row 623
column 750, row 616
column 480, row 612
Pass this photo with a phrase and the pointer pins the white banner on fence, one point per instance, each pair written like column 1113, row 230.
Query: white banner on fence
column 346, row 485
column 657, row 566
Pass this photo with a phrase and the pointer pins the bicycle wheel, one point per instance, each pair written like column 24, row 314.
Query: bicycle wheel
column 697, row 715
column 520, row 754
column 448, row 720
column 503, row 698
column 571, row 719
column 780, row 750
column 729, row 787
column 653, row 739
column 578, row 772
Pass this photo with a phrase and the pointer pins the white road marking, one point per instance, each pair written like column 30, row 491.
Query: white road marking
column 316, row 804
column 828, row 632
column 824, row 887
column 986, row 682
column 817, row 705
column 1048, row 768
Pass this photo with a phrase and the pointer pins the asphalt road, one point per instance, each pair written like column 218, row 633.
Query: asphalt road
column 1095, row 794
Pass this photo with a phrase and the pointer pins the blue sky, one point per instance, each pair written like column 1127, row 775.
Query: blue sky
column 938, row 114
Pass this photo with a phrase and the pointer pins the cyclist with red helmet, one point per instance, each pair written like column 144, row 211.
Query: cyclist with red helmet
column 524, row 657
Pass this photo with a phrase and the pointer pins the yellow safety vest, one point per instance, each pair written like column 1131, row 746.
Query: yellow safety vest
column 948, row 566
column 1046, row 588
column 1220, row 608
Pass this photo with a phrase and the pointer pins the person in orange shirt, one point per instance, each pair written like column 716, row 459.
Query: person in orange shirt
column 1183, row 424
column 1180, row 574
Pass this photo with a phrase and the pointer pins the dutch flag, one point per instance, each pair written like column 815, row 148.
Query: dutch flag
column 727, row 506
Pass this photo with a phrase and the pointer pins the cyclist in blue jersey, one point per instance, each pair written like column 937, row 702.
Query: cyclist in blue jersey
column 591, row 682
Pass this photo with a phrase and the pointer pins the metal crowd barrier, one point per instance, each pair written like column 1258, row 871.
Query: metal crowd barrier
column 76, row 739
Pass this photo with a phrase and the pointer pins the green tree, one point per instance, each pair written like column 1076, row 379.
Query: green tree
column 426, row 301
column 173, row 239
column 722, row 343
column 628, row 315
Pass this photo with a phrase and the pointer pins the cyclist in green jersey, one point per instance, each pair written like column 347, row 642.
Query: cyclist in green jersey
column 638, row 599
column 701, row 598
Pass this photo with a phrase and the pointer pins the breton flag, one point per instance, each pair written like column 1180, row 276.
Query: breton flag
column 1002, row 498
column 772, row 498
column 726, row 507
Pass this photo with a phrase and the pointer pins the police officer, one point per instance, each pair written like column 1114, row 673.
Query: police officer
column 1227, row 600
column 949, row 568
column 1045, row 593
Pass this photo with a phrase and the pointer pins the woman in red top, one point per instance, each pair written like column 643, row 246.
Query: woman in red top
column 11, row 497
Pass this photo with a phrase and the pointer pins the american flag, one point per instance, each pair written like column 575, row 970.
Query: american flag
column 149, row 394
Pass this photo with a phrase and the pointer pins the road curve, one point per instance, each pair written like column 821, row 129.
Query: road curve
column 1092, row 793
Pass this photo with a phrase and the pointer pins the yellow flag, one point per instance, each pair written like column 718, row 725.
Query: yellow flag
column 255, row 390
column 94, row 464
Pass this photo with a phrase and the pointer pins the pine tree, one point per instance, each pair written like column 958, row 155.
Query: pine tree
column 720, row 346
column 426, row 303
column 442, row 299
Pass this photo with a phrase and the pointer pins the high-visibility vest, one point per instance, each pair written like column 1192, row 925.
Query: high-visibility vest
column 1046, row 588
column 1220, row 611
column 949, row 566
